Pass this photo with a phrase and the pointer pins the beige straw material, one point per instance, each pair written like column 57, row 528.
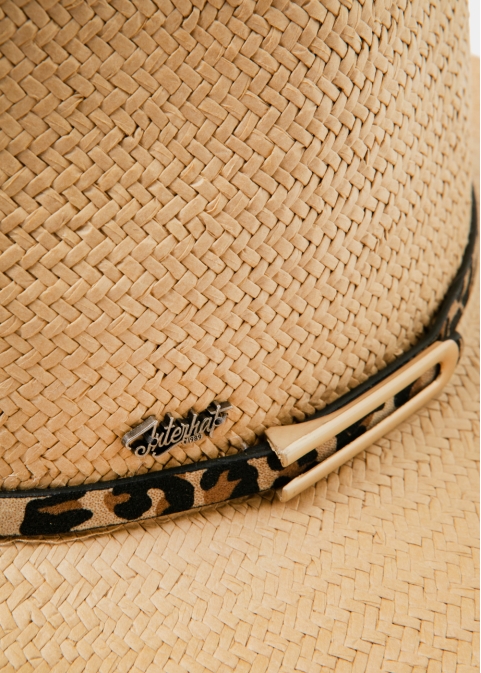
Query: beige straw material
column 261, row 202
column 375, row 569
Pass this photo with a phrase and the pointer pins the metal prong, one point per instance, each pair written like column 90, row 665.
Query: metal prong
column 141, row 429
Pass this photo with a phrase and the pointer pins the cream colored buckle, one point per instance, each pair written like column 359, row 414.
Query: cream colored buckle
column 291, row 442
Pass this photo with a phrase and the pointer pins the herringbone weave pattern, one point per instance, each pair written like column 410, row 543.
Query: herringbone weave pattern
column 256, row 201
column 373, row 570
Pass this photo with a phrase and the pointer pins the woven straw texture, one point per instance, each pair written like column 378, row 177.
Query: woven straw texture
column 374, row 569
column 255, row 201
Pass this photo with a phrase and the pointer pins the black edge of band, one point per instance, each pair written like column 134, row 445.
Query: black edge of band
column 258, row 451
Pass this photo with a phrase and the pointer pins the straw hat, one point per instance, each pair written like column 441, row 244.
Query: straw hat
column 237, row 240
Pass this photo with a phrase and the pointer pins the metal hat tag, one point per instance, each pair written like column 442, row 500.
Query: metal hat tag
column 156, row 437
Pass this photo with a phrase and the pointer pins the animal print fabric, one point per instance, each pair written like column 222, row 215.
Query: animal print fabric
column 42, row 514
column 162, row 494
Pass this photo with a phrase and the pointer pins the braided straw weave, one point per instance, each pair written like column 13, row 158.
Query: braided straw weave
column 374, row 569
column 261, row 202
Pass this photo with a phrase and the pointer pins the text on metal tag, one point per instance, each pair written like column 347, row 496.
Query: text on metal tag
column 156, row 437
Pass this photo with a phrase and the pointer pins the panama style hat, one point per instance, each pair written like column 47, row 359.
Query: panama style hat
column 238, row 336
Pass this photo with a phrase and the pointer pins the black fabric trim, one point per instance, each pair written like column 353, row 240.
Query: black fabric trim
column 149, row 480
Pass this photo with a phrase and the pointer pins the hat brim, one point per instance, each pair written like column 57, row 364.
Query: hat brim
column 374, row 568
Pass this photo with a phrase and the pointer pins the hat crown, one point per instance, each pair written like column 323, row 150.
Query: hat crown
column 260, row 203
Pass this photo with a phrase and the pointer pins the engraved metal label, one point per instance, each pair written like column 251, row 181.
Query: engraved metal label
column 157, row 437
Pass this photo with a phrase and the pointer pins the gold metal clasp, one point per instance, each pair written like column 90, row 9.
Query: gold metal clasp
column 291, row 442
